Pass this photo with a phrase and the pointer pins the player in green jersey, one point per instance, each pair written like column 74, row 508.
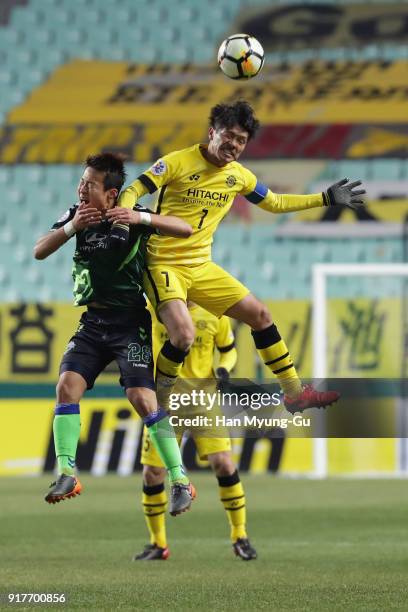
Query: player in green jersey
column 108, row 269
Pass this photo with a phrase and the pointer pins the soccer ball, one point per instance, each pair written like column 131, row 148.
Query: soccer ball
column 241, row 56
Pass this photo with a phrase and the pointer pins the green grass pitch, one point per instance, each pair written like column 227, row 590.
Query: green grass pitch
column 323, row 545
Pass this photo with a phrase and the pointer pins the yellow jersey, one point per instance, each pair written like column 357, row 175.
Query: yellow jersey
column 211, row 333
column 200, row 193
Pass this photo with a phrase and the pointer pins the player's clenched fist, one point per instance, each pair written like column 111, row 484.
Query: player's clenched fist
column 86, row 215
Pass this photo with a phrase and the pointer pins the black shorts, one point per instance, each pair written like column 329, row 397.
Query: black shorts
column 105, row 335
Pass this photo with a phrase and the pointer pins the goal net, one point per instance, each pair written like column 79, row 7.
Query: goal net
column 360, row 338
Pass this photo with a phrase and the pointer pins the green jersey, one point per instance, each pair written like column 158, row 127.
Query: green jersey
column 112, row 277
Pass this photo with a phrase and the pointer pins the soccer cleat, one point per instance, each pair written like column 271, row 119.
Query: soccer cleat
column 181, row 496
column 65, row 487
column 242, row 548
column 310, row 398
column 152, row 552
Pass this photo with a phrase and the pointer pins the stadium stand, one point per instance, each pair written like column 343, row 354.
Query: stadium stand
column 39, row 35
column 38, row 195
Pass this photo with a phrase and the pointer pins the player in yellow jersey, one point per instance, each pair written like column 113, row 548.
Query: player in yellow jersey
column 213, row 443
column 199, row 184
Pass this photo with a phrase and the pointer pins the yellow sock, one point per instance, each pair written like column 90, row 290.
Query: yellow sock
column 154, row 506
column 233, row 499
column 168, row 367
column 274, row 353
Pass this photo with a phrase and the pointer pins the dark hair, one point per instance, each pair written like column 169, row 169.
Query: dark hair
column 113, row 167
column 240, row 113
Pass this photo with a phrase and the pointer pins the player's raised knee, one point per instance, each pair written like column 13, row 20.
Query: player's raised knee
column 261, row 317
column 183, row 337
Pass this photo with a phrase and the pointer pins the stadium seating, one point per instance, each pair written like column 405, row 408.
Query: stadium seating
column 38, row 195
column 375, row 169
column 36, row 38
column 44, row 33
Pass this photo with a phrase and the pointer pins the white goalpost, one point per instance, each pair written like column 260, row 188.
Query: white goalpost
column 320, row 275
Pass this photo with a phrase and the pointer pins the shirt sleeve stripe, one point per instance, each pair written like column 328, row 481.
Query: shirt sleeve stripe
column 225, row 349
column 147, row 182
column 257, row 195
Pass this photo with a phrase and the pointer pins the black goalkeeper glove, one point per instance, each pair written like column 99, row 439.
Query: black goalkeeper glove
column 342, row 193
column 222, row 374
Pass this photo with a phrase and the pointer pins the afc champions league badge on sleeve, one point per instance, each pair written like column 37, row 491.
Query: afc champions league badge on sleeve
column 158, row 168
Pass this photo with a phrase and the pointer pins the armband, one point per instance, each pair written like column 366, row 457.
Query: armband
column 258, row 194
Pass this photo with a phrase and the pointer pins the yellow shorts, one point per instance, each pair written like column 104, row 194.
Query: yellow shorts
column 206, row 445
column 206, row 284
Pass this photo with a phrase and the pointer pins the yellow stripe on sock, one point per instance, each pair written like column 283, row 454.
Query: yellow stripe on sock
column 167, row 372
column 233, row 500
column 277, row 358
column 154, row 507
column 168, row 367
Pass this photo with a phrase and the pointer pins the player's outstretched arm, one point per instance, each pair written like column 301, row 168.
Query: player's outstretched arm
column 53, row 240
column 49, row 243
column 341, row 193
column 171, row 226
column 166, row 224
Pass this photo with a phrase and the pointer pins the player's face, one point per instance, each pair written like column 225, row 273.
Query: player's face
column 92, row 191
column 227, row 144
